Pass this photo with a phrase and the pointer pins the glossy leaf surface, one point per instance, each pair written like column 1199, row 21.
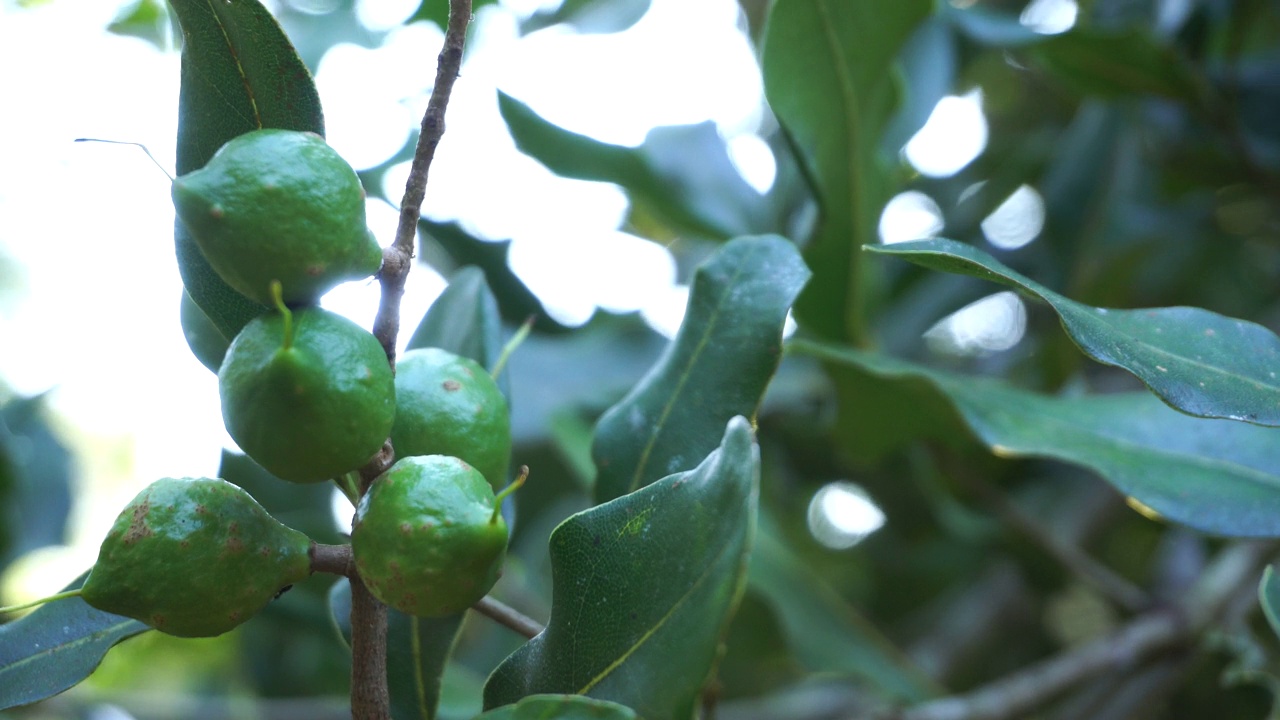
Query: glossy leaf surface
column 1199, row 362
column 560, row 707
column 1216, row 476
column 718, row 366
column 417, row 650
column 829, row 77
column 681, row 174
column 239, row 73
column 56, row 647
column 643, row 588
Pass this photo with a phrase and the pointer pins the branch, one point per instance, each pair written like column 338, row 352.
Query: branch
column 332, row 559
column 370, row 698
column 397, row 258
column 1159, row 630
column 509, row 616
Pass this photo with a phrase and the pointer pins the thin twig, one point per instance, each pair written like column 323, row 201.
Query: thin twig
column 1155, row 631
column 509, row 616
column 370, row 698
column 397, row 258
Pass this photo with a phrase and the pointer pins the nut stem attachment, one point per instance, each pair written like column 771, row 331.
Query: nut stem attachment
column 512, row 487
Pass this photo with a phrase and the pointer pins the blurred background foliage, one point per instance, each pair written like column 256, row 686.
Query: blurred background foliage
column 1129, row 157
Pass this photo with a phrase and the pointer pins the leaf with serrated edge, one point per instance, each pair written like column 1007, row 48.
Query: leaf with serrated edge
column 56, row 647
column 560, row 707
column 1216, row 476
column 1199, row 362
column 643, row 589
column 239, row 73
column 718, row 366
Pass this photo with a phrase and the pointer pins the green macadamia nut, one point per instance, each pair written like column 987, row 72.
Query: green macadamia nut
column 194, row 558
column 279, row 205
column 449, row 405
column 426, row 539
column 307, row 394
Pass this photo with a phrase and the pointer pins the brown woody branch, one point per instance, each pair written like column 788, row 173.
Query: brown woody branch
column 370, row 698
column 397, row 258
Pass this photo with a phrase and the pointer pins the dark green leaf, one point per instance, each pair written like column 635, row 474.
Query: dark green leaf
column 1269, row 597
column 1114, row 64
column 1199, row 362
column 1217, row 476
column 826, row 633
column 560, row 707
column 681, row 174
column 590, row 16
column 56, row 647
column 718, row 366
column 417, row 650
column 39, row 467
column 239, row 73
column 516, row 302
column 829, row 76
column 204, row 338
column 644, row 587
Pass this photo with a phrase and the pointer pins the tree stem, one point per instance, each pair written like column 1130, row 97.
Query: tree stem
column 370, row 699
column 505, row 615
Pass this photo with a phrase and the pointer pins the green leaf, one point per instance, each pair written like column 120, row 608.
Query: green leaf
column 56, row 647
column 39, row 466
column 516, row 302
column 1217, row 476
column 204, row 338
column 1269, row 597
column 826, row 633
column 1199, row 362
column 643, row 588
column 464, row 320
column 829, row 77
column 681, row 174
column 718, row 366
column 239, row 73
column 560, row 707
column 417, row 651
column 1118, row 64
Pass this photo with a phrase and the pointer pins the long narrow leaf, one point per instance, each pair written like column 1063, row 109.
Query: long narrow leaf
column 56, row 647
